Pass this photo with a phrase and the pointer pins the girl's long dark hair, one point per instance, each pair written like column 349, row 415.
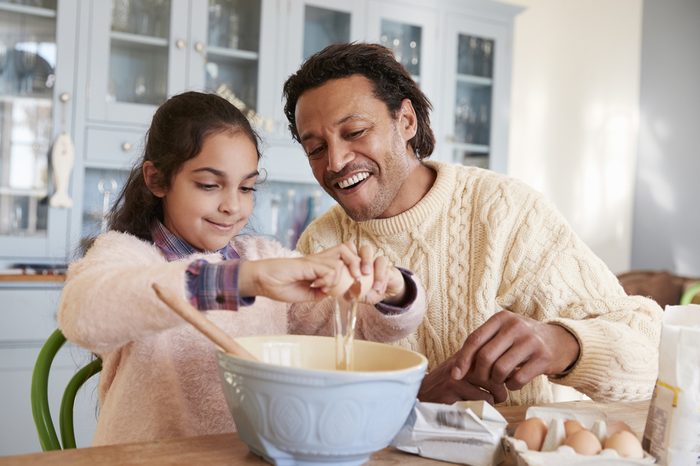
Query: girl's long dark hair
column 176, row 135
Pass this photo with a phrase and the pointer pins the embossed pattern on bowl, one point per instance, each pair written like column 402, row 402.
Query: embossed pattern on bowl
column 307, row 412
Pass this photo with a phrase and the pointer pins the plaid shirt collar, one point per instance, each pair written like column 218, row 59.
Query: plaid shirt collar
column 175, row 248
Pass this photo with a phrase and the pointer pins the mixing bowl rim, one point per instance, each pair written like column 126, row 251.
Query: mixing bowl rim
column 422, row 365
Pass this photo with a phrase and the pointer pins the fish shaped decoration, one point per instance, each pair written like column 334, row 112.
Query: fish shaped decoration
column 62, row 158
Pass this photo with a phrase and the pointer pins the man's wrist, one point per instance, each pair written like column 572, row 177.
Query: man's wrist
column 567, row 347
column 409, row 295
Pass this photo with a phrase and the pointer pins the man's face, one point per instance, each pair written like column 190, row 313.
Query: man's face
column 358, row 153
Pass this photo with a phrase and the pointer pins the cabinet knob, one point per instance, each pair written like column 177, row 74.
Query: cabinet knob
column 127, row 146
column 180, row 44
column 64, row 97
column 199, row 46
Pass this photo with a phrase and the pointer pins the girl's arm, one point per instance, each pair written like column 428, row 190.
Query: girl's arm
column 107, row 299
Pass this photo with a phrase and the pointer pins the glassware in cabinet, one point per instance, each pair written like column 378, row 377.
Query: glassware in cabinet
column 405, row 41
column 473, row 99
column 233, row 51
column 138, row 57
column 283, row 209
column 101, row 189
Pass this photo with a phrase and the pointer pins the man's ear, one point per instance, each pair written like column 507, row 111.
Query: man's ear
column 407, row 121
column 153, row 179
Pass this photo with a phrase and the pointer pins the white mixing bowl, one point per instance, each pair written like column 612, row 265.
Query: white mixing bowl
column 293, row 407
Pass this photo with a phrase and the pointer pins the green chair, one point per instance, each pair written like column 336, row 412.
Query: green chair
column 690, row 293
column 40, row 397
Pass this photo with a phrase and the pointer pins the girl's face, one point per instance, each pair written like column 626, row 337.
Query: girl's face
column 211, row 197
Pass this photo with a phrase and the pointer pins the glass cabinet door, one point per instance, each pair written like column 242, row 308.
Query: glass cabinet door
column 138, row 57
column 476, row 90
column 323, row 27
column 405, row 41
column 410, row 34
column 138, row 51
column 29, row 57
column 233, row 51
column 315, row 24
column 473, row 97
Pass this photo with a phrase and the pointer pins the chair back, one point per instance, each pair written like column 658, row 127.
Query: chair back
column 690, row 293
column 40, row 395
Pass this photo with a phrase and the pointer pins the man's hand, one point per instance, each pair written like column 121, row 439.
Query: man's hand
column 440, row 387
column 511, row 349
column 388, row 284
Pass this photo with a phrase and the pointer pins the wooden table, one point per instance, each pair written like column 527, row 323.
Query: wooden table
column 23, row 277
column 228, row 449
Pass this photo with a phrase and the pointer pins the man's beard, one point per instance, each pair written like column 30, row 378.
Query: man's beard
column 396, row 165
column 383, row 198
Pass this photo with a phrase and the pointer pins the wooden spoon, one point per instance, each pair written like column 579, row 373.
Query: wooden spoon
column 201, row 323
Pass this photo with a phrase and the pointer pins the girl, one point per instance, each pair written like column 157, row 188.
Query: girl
column 175, row 223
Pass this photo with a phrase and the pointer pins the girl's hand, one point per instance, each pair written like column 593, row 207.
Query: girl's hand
column 388, row 284
column 301, row 279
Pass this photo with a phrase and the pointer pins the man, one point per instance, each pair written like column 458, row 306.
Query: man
column 514, row 297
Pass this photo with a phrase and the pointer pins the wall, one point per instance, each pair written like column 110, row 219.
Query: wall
column 667, row 210
column 574, row 114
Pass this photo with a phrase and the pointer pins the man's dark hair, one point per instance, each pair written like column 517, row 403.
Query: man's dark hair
column 392, row 83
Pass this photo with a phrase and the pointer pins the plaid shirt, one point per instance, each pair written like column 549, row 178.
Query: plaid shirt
column 215, row 286
column 211, row 286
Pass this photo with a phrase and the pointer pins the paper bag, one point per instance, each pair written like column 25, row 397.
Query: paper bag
column 672, row 432
column 467, row 432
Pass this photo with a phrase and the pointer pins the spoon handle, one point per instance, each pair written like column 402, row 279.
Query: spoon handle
column 201, row 323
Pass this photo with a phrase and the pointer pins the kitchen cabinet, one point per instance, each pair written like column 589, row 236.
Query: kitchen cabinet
column 441, row 43
column 37, row 65
column 27, row 319
column 473, row 127
column 136, row 53
column 143, row 51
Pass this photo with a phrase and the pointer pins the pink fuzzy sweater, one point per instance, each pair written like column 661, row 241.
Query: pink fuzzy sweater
column 159, row 377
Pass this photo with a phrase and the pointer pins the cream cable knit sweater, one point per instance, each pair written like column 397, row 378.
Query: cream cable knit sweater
column 482, row 242
column 160, row 378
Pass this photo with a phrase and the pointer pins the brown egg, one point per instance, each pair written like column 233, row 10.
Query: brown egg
column 584, row 442
column 616, row 426
column 626, row 444
column 571, row 426
column 532, row 431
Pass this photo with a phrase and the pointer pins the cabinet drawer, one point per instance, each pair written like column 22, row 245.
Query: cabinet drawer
column 28, row 314
column 113, row 148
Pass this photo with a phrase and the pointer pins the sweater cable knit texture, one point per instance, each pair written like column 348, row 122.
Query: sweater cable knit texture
column 482, row 242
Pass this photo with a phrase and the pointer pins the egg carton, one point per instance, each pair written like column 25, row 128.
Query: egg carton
column 555, row 454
